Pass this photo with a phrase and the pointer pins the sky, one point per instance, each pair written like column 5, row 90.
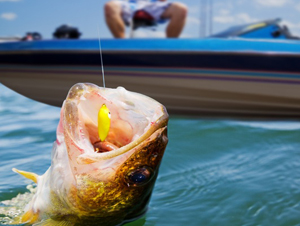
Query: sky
column 20, row 16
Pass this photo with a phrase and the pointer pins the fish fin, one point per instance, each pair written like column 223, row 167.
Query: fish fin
column 28, row 218
column 28, row 175
column 51, row 222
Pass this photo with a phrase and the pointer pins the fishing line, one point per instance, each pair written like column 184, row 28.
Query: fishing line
column 101, row 57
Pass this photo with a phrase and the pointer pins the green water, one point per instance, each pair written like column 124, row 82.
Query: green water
column 214, row 172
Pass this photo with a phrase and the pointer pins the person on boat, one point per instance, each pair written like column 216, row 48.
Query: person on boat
column 118, row 13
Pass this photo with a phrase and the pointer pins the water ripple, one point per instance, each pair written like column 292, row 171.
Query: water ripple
column 214, row 172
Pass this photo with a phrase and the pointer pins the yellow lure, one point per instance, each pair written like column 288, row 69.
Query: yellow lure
column 103, row 122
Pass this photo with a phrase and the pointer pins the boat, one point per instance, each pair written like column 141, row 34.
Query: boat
column 205, row 77
column 9, row 39
column 268, row 29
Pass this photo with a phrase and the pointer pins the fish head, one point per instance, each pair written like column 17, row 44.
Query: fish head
column 112, row 179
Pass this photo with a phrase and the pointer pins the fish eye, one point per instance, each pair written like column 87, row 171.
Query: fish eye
column 139, row 176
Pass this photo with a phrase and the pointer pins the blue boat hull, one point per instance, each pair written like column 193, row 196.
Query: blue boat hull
column 202, row 77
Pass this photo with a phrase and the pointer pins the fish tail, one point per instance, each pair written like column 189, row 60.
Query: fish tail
column 28, row 175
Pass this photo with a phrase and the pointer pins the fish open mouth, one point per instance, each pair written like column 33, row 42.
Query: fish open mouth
column 134, row 118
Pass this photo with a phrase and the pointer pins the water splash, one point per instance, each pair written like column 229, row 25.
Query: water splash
column 10, row 209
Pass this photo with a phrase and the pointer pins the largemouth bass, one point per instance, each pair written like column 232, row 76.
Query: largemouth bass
column 93, row 182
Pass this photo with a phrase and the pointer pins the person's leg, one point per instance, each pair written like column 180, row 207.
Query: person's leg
column 177, row 13
column 113, row 16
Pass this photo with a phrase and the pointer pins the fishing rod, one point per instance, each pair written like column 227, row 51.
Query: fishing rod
column 206, row 17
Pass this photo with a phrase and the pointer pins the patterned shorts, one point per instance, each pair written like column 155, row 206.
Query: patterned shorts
column 155, row 9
